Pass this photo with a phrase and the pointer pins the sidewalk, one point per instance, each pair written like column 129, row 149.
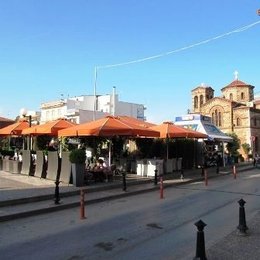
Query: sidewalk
column 238, row 247
column 23, row 196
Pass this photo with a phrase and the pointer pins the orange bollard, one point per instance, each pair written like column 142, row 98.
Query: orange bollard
column 161, row 187
column 234, row 171
column 82, row 204
column 206, row 177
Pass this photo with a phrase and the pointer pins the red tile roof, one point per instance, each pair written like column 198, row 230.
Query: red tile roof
column 237, row 83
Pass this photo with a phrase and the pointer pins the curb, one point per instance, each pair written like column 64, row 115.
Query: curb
column 55, row 208
column 14, row 202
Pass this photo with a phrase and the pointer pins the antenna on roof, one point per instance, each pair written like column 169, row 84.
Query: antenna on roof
column 236, row 75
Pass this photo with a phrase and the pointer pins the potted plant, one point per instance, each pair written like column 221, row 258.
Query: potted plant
column 77, row 158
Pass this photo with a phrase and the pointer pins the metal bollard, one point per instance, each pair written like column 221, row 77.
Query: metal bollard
column 242, row 227
column 234, row 171
column 57, row 193
column 200, row 245
column 155, row 177
column 161, row 187
column 124, row 181
column 82, row 204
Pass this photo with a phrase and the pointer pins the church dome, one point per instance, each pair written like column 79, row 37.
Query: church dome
column 237, row 83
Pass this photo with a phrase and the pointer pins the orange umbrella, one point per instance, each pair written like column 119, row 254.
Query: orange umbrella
column 14, row 129
column 136, row 121
column 49, row 128
column 170, row 130
column 109, row 126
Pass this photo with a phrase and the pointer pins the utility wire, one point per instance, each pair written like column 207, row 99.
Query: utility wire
column 239, row 30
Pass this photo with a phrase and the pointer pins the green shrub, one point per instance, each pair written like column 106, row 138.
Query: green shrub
column 77, row 156
column 7, row 153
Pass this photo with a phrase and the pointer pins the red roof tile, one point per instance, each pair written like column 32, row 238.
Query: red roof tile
column 237, row 83
column 3, row 119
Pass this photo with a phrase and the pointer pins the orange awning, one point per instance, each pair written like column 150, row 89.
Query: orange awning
column 109, row 126
column 49, row 128
column 170, row 130
column 14, row 129
column 136, row 121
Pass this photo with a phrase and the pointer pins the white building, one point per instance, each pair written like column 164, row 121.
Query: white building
column 83, row 108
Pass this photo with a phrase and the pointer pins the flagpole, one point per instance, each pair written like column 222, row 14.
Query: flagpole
column 95, row 94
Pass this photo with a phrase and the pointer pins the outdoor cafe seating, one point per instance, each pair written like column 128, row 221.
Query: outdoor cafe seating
column 99, row 171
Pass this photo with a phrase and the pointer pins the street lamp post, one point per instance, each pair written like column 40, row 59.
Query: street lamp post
column 24, row 114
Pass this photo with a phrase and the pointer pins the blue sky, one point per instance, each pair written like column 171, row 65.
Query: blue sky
column 51, row 47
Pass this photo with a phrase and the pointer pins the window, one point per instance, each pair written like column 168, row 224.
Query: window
column 201, row 100
column 242, row 96
column 47, row 115
column 195, row 102
column 216, row 117
column 231, row 96
column 238, row 122
column 53, row 113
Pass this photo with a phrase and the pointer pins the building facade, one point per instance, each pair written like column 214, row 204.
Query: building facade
column 235, row 111
column 89, row 107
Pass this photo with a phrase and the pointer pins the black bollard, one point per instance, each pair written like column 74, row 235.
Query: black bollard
column 82, row 204
column 124, row 181
column 155, row 177
column 217, row 170
column 242, row 227
column 57, row 193
column 200, row 246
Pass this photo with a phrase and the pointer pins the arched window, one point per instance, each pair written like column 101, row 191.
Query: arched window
column 195, row 102
column 238, row 121
column 242, row 96
column 216, row 117
column 201, row 100
column 219, row 119
column 231, row 96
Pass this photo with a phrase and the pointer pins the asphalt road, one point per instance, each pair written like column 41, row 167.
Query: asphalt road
column 139, row 227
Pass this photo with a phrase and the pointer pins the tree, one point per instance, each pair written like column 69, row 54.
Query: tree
column 246, row 148
column 234, row 146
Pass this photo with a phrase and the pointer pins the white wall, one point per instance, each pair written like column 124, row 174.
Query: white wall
column 80, row 109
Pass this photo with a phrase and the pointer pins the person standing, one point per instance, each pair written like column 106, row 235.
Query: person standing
column 256, row 159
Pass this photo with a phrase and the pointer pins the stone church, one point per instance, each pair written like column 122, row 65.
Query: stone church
column 236, row 110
